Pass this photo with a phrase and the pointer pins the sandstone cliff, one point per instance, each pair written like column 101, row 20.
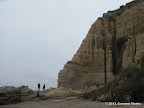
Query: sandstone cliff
column 97, row 60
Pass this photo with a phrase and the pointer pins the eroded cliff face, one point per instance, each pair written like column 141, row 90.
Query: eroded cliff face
column 95, row 62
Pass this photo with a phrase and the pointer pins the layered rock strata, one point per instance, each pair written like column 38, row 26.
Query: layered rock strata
column 96, row 60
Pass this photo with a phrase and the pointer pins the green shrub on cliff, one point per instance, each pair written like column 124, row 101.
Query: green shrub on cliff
column 141, row 61
column 121, row 41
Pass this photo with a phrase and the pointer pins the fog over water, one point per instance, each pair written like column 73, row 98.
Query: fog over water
column 37, row 37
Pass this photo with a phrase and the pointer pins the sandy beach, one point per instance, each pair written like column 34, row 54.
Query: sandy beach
column 65, row 104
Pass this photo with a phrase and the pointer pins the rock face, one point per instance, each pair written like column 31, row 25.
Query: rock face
column 62, row 93
column 96, row 60
column 10, row 94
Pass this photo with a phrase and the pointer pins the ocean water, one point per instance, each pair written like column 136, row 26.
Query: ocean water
column 31, row 83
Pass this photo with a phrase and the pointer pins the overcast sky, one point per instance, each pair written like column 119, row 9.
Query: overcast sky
column 37, row 37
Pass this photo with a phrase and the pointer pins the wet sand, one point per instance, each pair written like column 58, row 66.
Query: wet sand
column 65, row 104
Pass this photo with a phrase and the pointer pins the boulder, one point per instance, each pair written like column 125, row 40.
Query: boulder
column 10, row 94
column 89, row 89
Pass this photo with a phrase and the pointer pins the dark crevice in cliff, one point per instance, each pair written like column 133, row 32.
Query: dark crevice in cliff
column 111, row 17
column 134, row 35
column 114, row 50
column 103, row 33
column 105, row 66
column 93, row 46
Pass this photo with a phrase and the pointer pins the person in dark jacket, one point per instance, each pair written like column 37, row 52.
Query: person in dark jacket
column 38, row 86
column 44, row 87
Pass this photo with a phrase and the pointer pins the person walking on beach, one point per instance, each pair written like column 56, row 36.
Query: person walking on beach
column 38, row 93
column 44, row 87
column 38, row 86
